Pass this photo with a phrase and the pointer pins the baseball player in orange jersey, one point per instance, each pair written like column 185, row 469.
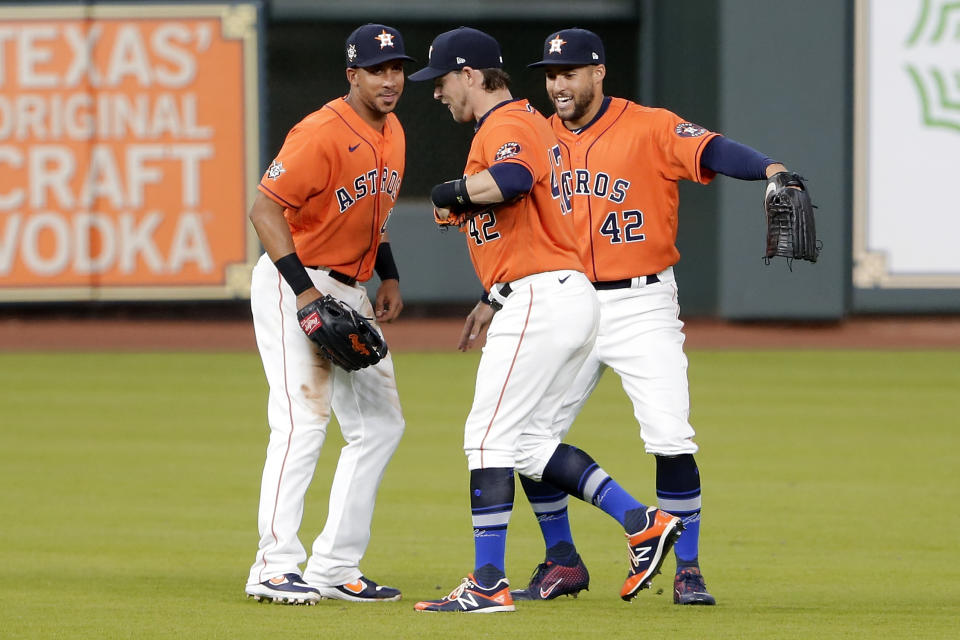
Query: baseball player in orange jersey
column 321, row 214
column 520, row 236
column 624, row 164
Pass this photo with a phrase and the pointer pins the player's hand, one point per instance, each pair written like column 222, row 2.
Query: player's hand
column 388, row 303
column 475, row 326
column 308, row 296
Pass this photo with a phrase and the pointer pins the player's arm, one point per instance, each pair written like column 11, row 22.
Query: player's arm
column 271, row 226
column 502, row 182
column 475, row 325
column 730, row 158
column 388, row 303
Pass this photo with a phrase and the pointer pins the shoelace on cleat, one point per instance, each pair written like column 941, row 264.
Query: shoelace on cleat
column 634, row 557
column 456, row 593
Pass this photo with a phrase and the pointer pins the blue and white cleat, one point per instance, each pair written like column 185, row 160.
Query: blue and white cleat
column 360, row 590
column 470, row 597
column 286, row 589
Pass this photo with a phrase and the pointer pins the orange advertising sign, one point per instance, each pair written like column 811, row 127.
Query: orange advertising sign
column 129, row 140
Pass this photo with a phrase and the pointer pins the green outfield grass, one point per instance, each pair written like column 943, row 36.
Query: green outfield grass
column 831, row 492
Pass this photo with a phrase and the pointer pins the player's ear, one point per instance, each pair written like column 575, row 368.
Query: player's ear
column 599, row 72
column 352, row 76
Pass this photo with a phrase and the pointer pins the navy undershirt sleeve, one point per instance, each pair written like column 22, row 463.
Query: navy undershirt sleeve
column 513, row 178
column 723, row 155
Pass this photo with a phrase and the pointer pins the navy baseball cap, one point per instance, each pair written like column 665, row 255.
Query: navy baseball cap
column 573, row 47
column 372, row 44
column 462, row 47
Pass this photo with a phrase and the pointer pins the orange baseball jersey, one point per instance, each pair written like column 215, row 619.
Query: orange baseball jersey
column 338, row 180
column 534, row 233
column 624, row 169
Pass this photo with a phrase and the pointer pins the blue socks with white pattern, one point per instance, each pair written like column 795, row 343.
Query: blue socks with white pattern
column 491, row 503
column 575, row 472
column 678, row 493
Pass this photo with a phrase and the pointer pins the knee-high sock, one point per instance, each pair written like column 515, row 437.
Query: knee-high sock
column 491, row 502
column 678, row 491
column 550, row 506
column 576, row 473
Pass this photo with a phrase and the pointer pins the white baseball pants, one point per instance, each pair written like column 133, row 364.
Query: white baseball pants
column 641, row 339
column 535, row 345
column 304, row 387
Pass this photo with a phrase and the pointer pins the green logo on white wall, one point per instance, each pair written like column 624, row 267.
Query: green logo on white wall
column 936, row 39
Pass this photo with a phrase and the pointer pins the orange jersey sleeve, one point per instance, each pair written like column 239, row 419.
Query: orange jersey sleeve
column 624, row 169
column 338, row 180
column 533, row 233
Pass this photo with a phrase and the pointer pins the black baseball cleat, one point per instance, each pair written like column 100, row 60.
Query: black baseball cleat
column 551, row 580
column 689, row 588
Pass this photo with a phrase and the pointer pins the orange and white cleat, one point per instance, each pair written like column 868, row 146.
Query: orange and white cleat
column 648, row 548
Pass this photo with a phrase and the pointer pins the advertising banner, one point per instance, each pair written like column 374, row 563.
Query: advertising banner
column 906, row 220
column 129, row 151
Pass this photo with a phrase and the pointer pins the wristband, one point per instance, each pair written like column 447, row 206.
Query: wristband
column 293, row 272
column 451, row 195
column 385, row 267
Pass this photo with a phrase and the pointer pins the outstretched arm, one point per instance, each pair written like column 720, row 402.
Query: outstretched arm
column 730, row 158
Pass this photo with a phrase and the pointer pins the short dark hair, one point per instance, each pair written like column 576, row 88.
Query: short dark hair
column 494, row 79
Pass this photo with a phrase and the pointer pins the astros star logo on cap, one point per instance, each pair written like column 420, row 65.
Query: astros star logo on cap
column 386, row 39
column 555, row 45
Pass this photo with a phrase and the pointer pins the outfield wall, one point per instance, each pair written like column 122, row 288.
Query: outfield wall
column 751, row 69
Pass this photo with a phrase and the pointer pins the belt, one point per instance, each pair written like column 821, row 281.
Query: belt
column 626, row 283
column 504, row 290
column 336, row 275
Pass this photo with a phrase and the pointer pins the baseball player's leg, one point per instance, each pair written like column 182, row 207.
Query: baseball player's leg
column 298, row 411
column 645, row 347
column 562, row 565
column 368, row 410
column 541, row 456
column 525, row 351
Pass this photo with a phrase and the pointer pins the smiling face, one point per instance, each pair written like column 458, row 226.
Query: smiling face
column 576, row 92
column 376, row 89
column 451, row 89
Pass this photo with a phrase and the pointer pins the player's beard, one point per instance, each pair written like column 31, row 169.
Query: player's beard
column 459, row 111
column 581, row 104
column 383, row 106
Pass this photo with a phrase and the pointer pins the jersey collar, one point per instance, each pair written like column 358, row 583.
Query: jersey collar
column 483, row 118
column 604, row 105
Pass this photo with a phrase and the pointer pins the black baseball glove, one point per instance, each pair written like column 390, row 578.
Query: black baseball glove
column 791, row 231
column 343, row 335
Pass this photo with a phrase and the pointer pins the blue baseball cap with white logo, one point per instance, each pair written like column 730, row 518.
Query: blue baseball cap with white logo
column 459, row 48
column 572, row 47
column 372, row 44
